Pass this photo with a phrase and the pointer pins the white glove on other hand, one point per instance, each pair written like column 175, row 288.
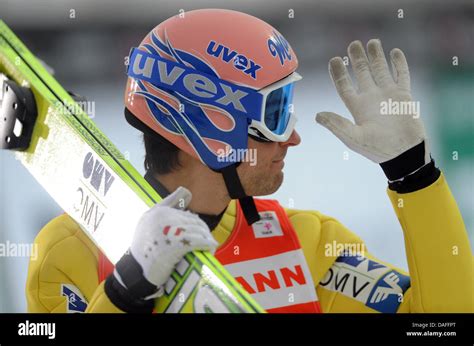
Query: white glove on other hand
column 378, row 136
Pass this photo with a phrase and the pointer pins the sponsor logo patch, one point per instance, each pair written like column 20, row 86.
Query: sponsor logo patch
column 76, row 303
column 276, row 281
column 268, row 225
column 374, row 284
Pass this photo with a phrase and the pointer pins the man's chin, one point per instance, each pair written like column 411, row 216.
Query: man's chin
column 279, row 181
column 268, row 187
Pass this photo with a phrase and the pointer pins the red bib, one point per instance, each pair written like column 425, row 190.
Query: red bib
column 266, row 259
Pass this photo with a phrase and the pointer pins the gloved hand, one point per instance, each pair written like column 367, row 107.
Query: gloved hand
column 379, row 137
column 163, row 236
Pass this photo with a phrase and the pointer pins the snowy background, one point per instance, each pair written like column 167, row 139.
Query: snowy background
column 88, row 51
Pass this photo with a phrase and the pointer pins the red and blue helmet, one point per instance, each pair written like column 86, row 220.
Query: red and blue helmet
column 207, row 79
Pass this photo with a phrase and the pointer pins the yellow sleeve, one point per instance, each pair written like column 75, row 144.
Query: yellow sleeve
column 437, row 247
column 349, row 283
column 439, row 255
column 63, row 276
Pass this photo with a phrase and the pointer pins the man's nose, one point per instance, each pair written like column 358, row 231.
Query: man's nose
column 293, row 140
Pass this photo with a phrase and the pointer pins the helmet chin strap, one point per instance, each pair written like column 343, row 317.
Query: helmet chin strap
column 236, row 191
column 231, row 178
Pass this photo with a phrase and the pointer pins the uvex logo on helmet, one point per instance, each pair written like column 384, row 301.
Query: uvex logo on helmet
column 240, row 61
column 278, row 45
column 193, row 84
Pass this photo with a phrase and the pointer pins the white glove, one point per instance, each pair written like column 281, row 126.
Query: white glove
column 377, row 136
column 163, row 236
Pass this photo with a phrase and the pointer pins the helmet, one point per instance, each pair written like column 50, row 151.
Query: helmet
column 207, row 79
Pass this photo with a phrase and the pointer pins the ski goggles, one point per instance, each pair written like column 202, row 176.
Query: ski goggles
column 269, row 111
column 277, row 119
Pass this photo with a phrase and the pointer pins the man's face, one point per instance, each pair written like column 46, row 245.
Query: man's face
column 263, row 174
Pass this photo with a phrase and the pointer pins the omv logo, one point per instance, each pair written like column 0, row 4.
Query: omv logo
column 240, row 61
column 278, row 45
column 96, row 174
